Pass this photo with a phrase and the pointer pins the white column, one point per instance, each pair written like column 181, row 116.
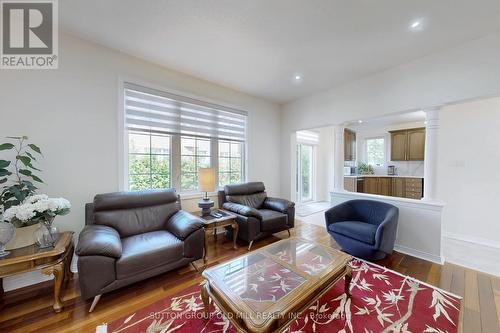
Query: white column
column 431, row 153
column 338, row 162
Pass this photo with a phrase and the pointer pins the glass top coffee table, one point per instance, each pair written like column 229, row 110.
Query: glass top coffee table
column 263, row 291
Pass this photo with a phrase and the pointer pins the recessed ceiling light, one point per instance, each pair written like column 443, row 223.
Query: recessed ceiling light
column 360, row 121
column 417, row 25
column 297, row 77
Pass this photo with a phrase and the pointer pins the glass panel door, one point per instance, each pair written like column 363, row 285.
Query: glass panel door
column 305, row 172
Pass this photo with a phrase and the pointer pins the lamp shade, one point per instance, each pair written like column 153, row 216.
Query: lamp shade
column 206, row 179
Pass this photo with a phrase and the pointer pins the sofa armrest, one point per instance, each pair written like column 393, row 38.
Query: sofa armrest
column 341, row 212
column 182, row 224
column 99, row 240
column 385, row 235
column 242, row 210
column 280, row 205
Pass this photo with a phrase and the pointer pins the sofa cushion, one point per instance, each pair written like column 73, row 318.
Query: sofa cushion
column 251, row 200
column 133, row 199
column 361, row 231
column 245, row 188
column 145, row 251
column 129, row 222
column 272, row 220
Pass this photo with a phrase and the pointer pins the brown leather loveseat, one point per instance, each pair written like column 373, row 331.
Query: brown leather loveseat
column 131, row 236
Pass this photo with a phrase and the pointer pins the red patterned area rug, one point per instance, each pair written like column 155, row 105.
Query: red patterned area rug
column 382, row 301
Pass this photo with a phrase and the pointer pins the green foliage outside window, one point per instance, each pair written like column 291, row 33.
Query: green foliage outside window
column 149, row 172
column 375, row 151
column 150, row 161
column 305, row 163
column 230, row 163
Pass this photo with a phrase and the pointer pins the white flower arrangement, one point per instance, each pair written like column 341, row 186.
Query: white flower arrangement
column 36, row 208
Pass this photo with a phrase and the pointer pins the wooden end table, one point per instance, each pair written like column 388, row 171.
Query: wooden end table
column 212, row 223
column 264, row 290
column 56, row 261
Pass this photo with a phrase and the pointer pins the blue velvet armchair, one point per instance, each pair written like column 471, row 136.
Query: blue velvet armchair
column 364, row 228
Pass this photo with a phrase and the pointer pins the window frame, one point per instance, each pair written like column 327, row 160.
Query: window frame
column 150, row 155
column 230, row 158
column 196, row 156
column 384, row 150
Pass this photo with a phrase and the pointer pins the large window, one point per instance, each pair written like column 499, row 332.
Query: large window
column 375, row 151
column 170, row 137
column 230, row 162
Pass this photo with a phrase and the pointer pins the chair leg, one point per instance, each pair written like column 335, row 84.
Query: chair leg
column 289, row 234
column 250, row 245
column 94, row 303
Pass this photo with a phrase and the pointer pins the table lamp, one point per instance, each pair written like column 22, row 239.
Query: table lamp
column 206, row 183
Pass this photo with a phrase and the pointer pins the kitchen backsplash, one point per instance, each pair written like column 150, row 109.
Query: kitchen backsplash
column 403, row 168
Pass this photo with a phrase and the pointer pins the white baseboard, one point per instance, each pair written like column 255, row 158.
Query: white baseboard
column 472, row 252
column 30, row 278
column 419, row 254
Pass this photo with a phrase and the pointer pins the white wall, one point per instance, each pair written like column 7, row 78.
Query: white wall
column 468, row 182
column 467, row 72
column 324, row 158
column 72, row 114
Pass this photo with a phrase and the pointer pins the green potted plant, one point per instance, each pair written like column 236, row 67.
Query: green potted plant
column 17, row 182
column 365, row 169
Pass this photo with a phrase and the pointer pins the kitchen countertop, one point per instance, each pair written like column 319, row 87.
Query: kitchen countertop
column 393, row 176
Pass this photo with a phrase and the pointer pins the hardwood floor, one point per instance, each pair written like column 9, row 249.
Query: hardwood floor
column 30, row 309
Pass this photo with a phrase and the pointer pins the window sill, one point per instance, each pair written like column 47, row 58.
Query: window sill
column 196, row 195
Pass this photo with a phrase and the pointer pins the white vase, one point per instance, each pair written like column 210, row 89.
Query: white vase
column 24, row 237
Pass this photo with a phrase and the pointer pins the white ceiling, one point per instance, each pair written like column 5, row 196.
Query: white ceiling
column 387, row 121
column 257, row 46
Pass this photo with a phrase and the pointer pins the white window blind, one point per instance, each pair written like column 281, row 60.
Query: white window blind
column 309, row 137
column 153, row 111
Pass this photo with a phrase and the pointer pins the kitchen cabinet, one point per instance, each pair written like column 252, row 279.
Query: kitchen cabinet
column 384, row 186
column 378, row 185
column 398, row 187
column 414, row 188
column 349, row 145
column 354, row 184
column 371, row 185
column 350, row 184
column 402, row 187
column 398, row 145
column 416, row 144
column 408, row 144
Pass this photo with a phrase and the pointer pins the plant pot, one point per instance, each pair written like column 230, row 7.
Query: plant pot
column 24, row 237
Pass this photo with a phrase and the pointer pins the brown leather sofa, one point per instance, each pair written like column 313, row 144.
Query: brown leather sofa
column 258, row 215
column 131, row 236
